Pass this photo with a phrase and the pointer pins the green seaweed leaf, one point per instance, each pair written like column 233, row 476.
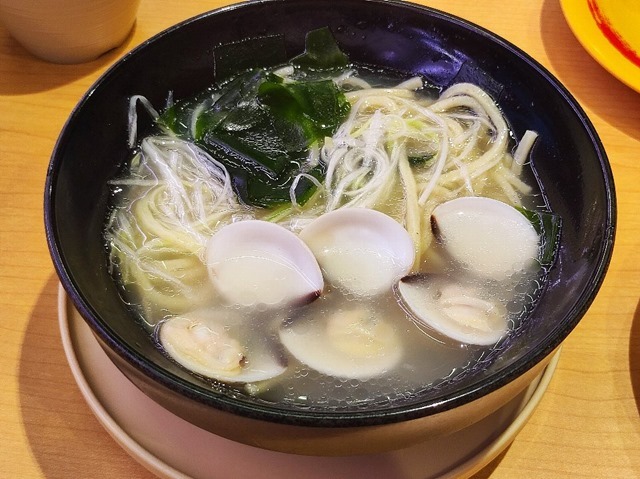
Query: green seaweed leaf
column 322, row 52
column 548, row 226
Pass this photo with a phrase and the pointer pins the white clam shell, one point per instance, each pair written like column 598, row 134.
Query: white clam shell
column 255, row 262
column 350, row 344
column 360, row 250
column 491, row 238
column 453, row 310
column 209, row 343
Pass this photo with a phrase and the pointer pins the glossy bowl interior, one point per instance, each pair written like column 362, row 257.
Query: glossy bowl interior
column 569, row 159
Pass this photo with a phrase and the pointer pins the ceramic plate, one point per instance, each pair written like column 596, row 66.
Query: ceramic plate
column 610, row 31
column 172, row 448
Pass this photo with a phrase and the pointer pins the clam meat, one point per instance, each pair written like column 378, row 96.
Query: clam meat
column 460, row 312
column 210, row 343
column 351, row 343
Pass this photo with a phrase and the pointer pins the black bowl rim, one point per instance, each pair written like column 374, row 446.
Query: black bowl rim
column 368, row 417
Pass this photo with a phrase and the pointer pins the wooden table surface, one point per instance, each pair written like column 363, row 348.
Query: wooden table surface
column 587, row 424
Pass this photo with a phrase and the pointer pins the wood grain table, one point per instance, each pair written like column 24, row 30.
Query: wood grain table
column 587, row 425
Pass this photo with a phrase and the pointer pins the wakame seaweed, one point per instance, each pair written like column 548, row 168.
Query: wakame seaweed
column 548, row 226
column 261, row 127
column 321, row 52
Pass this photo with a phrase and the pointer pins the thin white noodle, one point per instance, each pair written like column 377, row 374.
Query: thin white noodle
column 133, row 116
column 294, row 185
column 522, row 150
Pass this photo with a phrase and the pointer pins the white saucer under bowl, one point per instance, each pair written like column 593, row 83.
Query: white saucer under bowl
column 172, row 448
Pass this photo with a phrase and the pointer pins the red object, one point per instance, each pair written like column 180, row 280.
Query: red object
column 612, row 35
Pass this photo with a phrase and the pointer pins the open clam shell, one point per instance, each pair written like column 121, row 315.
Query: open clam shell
column 351, row 343
column 360, row 250
column 491, row 238
column 211, row 343
column 255, row 262
column 460, row 312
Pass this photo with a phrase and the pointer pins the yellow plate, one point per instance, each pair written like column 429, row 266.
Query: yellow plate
column 619, row 24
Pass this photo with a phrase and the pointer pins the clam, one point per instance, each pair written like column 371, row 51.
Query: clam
column 360, row 250
column 351, row 343
column 255, row 262
column 490, row 238
column 460, row 312
column 209, row 343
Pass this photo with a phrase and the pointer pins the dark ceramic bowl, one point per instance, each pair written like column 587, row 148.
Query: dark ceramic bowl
column 569, row 159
